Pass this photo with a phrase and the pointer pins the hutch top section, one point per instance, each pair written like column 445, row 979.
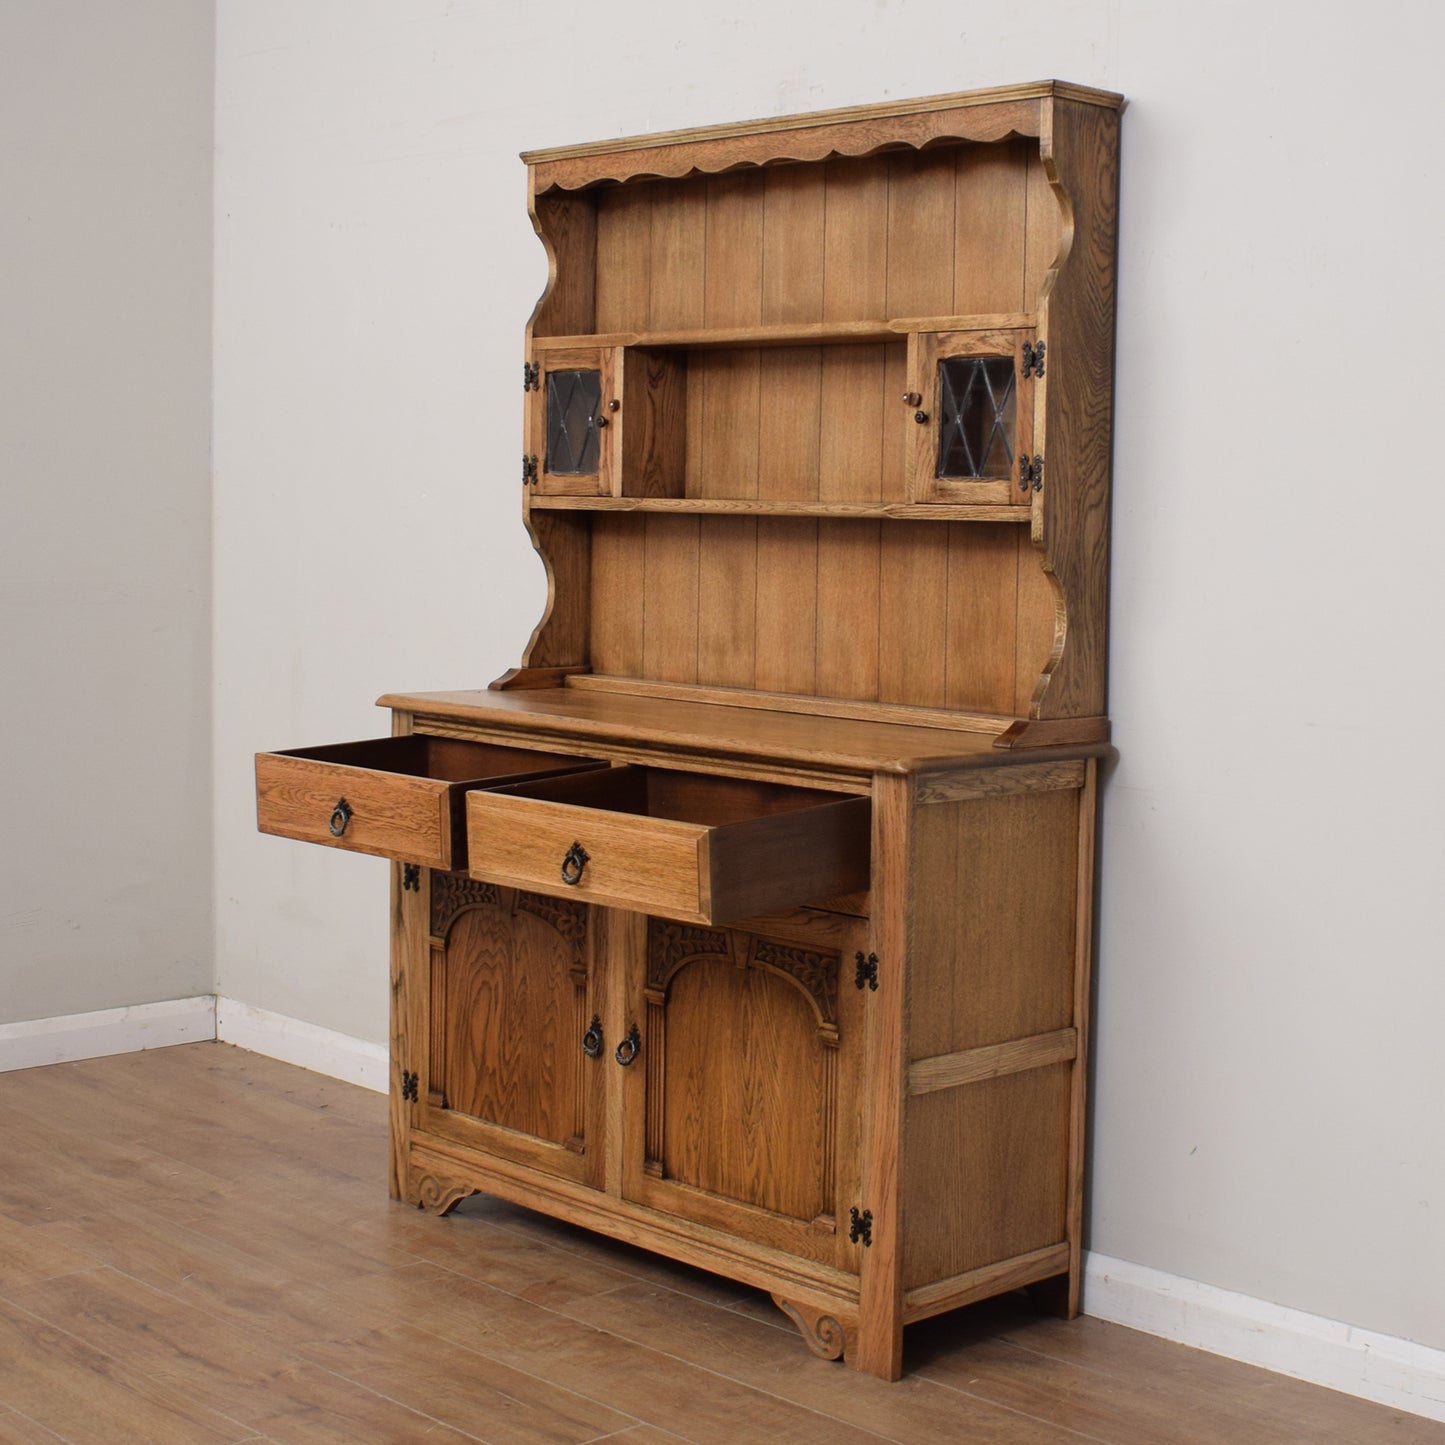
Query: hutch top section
column 819, row 408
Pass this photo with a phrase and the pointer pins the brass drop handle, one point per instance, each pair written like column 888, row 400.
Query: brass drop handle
column 592, row 1039
column 575, row 860
column 629, row 1048
column 340, row 817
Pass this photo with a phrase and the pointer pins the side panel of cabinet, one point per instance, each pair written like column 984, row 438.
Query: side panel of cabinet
column 996, row 1038
column 749, row 1118
column 513, row 1059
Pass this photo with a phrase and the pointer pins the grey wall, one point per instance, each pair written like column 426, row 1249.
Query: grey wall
column 105, row 506
column 1269, row 1076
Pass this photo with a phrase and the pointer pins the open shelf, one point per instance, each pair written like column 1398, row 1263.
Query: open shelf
column 721, row 338
column 751, row 507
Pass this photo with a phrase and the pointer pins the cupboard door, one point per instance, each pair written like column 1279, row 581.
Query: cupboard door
column 973, row 431
column 572, row 439
column 751, row 1047
column 514, row 1055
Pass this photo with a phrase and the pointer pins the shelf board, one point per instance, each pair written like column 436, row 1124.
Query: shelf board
column 750, row 507
column 798, row 334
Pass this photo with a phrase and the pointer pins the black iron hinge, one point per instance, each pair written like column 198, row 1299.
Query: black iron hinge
column 409, row 1087
column 867, row 974
column 532, row 375
column 860, row 1226
column 1033, row 358
column 411, row 877
column 529, row 470
column 1031, row 472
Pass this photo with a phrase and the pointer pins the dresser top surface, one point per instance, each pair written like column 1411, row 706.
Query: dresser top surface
column 736, row 734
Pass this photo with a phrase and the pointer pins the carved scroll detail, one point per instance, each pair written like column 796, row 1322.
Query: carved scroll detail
column 452, row 894
column 441, row 1196
column 816, row 972
column 821, row 1332
column 670, row 945
column 567, row 917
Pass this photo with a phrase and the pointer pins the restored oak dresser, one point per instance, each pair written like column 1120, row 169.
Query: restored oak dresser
column 748, row 920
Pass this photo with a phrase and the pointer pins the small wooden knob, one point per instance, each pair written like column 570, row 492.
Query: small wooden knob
column 912, row 398
column 614, row 404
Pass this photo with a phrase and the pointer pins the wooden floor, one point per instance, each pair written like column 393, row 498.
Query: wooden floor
column 196, row 1245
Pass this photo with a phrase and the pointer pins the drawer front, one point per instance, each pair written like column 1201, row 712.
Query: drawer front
column 529, row 836
column 631, row 862
column 355, row 808
column 395, row 797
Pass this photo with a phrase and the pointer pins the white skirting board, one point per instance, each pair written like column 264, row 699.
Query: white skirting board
column 29, row 1044
column 323, row 1051
column 1390, row 1371
column 62, row 1040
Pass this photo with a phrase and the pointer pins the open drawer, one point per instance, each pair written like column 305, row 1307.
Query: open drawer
column 684, row 845
column 396, row 797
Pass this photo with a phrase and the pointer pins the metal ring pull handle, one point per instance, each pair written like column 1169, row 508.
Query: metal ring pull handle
column 629, row 1048
column 573, row 863
column 340, row 817
column 592, row 1039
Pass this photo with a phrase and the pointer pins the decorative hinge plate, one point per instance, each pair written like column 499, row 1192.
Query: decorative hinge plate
column 529, row 471
column 860, row 1226
column 1033, row 358
column 532, row 376
column 411, row 877
column 1031, row 472
column 867, row 974
column 410, row 1084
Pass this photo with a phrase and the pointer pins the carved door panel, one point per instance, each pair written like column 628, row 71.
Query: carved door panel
column 752, row 1047
column 513, row 1054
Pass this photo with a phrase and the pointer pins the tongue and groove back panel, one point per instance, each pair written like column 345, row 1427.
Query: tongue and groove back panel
column 930, row 614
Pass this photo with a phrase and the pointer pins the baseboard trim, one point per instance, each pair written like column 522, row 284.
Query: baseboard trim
column 323, row 1051
column 35, row 1042
column 1383, row 1368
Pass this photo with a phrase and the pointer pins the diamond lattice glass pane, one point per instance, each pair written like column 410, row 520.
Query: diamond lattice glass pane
column 977, row 406
column 573, row 400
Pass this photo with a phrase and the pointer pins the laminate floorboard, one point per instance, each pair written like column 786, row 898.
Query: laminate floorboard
column 196, row 1245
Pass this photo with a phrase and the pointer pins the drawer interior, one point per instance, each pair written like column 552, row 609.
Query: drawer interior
column 697, row 798
column 444, row 760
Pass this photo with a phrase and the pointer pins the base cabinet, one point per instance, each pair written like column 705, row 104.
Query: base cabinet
column 874, row 1114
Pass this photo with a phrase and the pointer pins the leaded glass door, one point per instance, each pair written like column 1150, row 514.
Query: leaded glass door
column 972, row 394
column 572, row 423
